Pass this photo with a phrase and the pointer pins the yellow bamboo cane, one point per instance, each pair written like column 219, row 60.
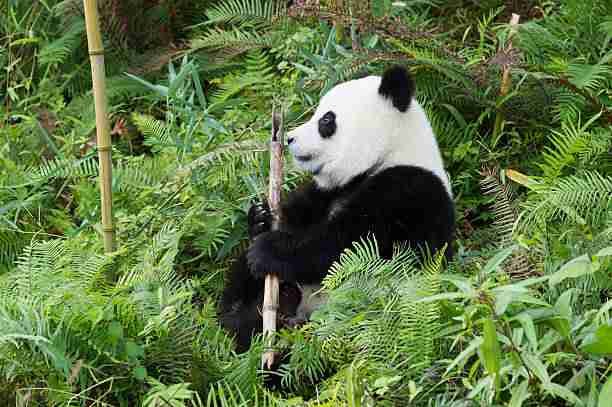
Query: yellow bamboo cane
column 271, row 283
column 96, row 56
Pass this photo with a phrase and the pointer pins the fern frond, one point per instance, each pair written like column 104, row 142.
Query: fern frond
column 51, row 270
column 60, row 168
column 583, row 199
column 66, row 168
column 157, row 260
column 247, row 150
column 568, row 142
column 11, row 244
column 36, row 265
column 156, row 132
column 245, row 11
column 363, row 255
column 240, row 39
column 59, row 50
column 373, row 313
column 138, row 173
column 504, row 220
column 504, row 215
column 589, row 77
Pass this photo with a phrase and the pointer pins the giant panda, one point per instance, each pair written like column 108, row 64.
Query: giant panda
column 376, row 170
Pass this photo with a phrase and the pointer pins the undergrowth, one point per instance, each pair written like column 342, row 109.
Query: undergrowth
column 521, row 317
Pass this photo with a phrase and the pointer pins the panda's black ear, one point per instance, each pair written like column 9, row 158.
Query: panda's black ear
column 397, row 85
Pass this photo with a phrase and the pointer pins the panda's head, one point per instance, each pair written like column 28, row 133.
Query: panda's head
column 365, row 125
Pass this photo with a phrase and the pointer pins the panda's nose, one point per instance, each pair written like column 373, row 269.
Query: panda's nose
column 290, row 140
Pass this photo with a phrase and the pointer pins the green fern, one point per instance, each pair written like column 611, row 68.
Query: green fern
column 373, row 313
column 568, row 143
column 156, row 132
column 589, row 77
column 245, row 11
column 239, row 40
column 583, row 199
column 58, row 51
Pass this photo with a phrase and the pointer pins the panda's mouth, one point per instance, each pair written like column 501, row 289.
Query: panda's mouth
column 304, row 158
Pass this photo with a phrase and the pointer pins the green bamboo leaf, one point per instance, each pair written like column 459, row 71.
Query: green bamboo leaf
column 606, row 251
column 606, row 394
column 599, row 343
column 491, row 353
column 578, row 267
column 530, row 331
column 520, row 394
column 497, row 260
column 561, row 391
column 162, row 90
column 536, row 366
column 443, row 296
column 465, row 354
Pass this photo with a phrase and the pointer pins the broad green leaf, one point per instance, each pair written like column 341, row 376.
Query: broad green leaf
column 578, row 267
column 480, row 386
column 564, row 309
column 140, row 373
column 536, row 366
column 497, row 260
column 519, row 394
column 606, row 251
column 560, row 391
column 465, row 354
column 490, row 351
column 564, row 304
column 133, row 350
column 461, row 283
column 162, row 90
column 605, row 396
column 115, row 331
column 604, row 309
column 530, row 331
column 600, row 342
column 443, row 296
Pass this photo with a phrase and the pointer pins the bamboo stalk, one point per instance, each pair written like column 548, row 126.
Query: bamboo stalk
column 96, row 56
column 271, row 285
column 506, row 78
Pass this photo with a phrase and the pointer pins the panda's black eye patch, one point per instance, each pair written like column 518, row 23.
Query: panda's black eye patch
column 327, row 124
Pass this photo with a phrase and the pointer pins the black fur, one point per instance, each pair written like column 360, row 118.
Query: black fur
column 259, row 219
column 400, row 204
column 397, row 85
column 327, row 124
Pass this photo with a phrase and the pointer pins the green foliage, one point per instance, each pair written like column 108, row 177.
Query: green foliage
column 521, row 317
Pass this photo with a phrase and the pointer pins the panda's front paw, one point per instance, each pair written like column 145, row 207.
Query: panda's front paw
column 269, row 253
column 259, row 219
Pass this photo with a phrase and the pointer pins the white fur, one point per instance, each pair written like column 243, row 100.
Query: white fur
column 370, row 132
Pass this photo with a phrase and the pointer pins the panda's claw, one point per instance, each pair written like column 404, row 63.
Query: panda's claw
column 259, row 219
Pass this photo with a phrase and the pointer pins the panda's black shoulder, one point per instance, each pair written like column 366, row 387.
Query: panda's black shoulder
column 409, row 192
column 407, row 179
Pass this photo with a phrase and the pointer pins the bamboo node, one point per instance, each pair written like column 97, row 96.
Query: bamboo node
column 108, row 229
column 96, row 52
column 270, row 307
column 104, row 148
